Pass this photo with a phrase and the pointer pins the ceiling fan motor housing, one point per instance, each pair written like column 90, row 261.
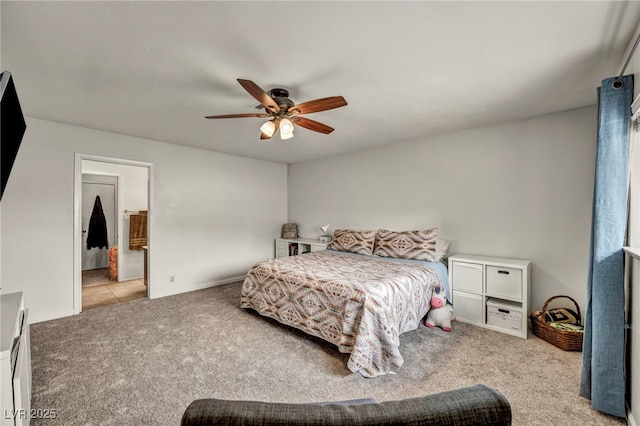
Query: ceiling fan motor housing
column 279, row 93
column 281, row 97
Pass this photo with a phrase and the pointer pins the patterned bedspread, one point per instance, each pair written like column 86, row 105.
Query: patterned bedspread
column 361, row 304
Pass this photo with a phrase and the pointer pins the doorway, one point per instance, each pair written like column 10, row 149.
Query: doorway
column 101, row 284
column 111, row 271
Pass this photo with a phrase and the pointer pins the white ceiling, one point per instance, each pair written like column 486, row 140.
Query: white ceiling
column 407, row 69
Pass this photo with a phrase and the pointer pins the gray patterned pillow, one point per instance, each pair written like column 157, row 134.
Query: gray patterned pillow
column 419, row 245
column 353, row 241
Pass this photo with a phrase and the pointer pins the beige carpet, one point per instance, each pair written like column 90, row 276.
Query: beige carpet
column 143, row 362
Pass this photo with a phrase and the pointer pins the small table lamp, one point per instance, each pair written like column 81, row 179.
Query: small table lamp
column 325, row 238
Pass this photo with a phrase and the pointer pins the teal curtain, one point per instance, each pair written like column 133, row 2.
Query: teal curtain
column 602, row 378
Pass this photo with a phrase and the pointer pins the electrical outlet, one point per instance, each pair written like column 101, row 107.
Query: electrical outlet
column 172, row 279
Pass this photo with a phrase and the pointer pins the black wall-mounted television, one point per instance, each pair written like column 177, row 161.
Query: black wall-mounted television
column 12, row 126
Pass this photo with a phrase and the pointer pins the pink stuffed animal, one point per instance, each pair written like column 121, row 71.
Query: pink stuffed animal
column 440, row 313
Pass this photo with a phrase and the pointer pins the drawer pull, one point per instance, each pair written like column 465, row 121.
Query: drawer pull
column 504, row 311
column 504, row 272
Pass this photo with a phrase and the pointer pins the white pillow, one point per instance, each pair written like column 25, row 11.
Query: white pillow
column 441, row 249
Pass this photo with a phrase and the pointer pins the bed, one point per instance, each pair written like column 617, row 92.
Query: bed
column 360, row 303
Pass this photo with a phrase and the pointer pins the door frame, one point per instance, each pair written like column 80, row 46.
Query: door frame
column 77, row 220
column 117, row 208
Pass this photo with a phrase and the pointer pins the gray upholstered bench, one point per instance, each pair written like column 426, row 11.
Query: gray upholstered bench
column 473, row 405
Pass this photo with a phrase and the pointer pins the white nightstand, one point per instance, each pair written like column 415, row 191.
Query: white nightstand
column 291, row 247
column 491, row 292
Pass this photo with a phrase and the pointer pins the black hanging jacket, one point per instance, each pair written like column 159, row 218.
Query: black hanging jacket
column 97, row 236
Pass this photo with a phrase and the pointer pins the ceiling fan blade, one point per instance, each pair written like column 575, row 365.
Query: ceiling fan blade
column 263, row 136
column 312, row 125
column 262, row 96
column 319, row 105
column 258, row 115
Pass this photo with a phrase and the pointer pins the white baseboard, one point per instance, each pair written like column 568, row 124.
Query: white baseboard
column 50, row 317
column 179, row 290
column 141, row 277
column 195, row 287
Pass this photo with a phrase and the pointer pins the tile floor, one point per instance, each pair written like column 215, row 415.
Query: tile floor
column 113, row 292
column 95, row 277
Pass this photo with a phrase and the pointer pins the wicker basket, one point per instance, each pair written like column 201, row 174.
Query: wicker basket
column 567, row 340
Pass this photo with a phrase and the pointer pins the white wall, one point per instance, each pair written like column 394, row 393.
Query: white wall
column 521, row 190
column 214, row 215
column 133, row 186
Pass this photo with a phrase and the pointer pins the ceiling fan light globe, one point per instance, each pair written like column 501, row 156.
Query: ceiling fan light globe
column 286, row 126
column 268, row 128
column 286, row 135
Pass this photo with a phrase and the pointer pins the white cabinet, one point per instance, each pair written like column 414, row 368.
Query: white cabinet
column 15, row 361
column 291, row 247
column 491, row 292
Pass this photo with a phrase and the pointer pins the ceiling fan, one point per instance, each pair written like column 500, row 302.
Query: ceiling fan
column 284, row 113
